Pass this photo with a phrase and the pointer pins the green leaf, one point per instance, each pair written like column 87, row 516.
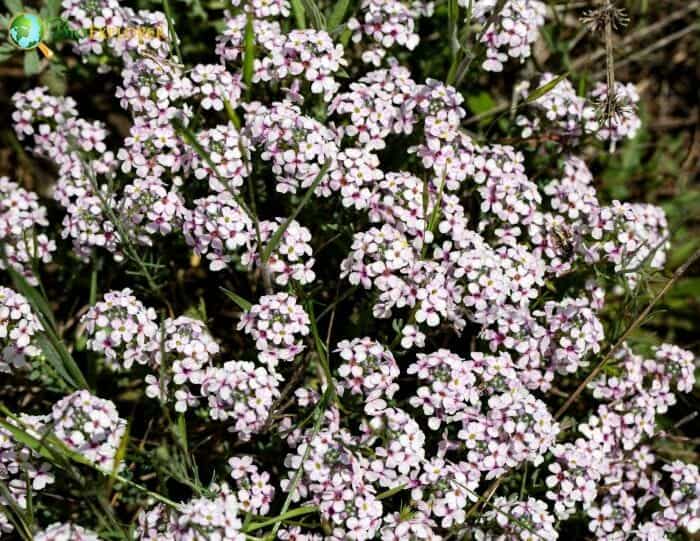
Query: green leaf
column 240, row 301
column 26, row 439
column 299, row 13
column 545, row 88
column 54, row 359
column 59, row 454
column 32, row 66
column 277, row 235
column 55, row 79
column 292, row 513
column 14, row 6
column 249, row 52
column 337, row 15
column 231, row 112
column 119, row 455
column 322, row 352
column 480, row 103
column 317, row 18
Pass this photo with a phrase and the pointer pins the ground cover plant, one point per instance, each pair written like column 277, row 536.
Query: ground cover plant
column 376, row 269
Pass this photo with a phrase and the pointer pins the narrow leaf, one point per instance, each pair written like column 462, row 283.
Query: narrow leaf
column 119, row 455
column 240, row 301
column 249, row 52
column 299, row 13
column 231, row 112
column 277, row 235
column 174, row 40
column 54, row 359
column 545, row 88
column 26, row 439
column 317, row 18
column 32, row 65
column 53, row 449
column 338, row 14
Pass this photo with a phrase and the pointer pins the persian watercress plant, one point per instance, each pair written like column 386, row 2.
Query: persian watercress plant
column 284, row 283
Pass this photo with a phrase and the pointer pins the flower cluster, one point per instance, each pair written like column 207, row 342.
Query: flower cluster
column 512, row 33
column 368, row 369
column 241, row 393
column 514, row 520
column 500, row 251
column 255, row 493
column 335, row 478
column 18, row 329
column 228, row 151
column 149, row 208
column 90, row 426
column 202, row 518
column 188, row 349
column 296, row 146
column 214, row 86
column 612, row 451
column 513, row 428
column 377, row 105
column 291, row 259
column 310, row 54
column 23, row 243
column 277, row 324
column 229, row 43
column 217, row 227
column 78, row 149
column 387, row 23
column 561, row 114
column 122, row 329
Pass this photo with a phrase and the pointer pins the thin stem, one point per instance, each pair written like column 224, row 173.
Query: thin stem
column 680, row 271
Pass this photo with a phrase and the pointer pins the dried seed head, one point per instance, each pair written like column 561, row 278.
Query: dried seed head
column 596, row 19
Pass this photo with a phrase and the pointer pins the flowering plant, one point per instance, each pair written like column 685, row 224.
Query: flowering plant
column 301, row 291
